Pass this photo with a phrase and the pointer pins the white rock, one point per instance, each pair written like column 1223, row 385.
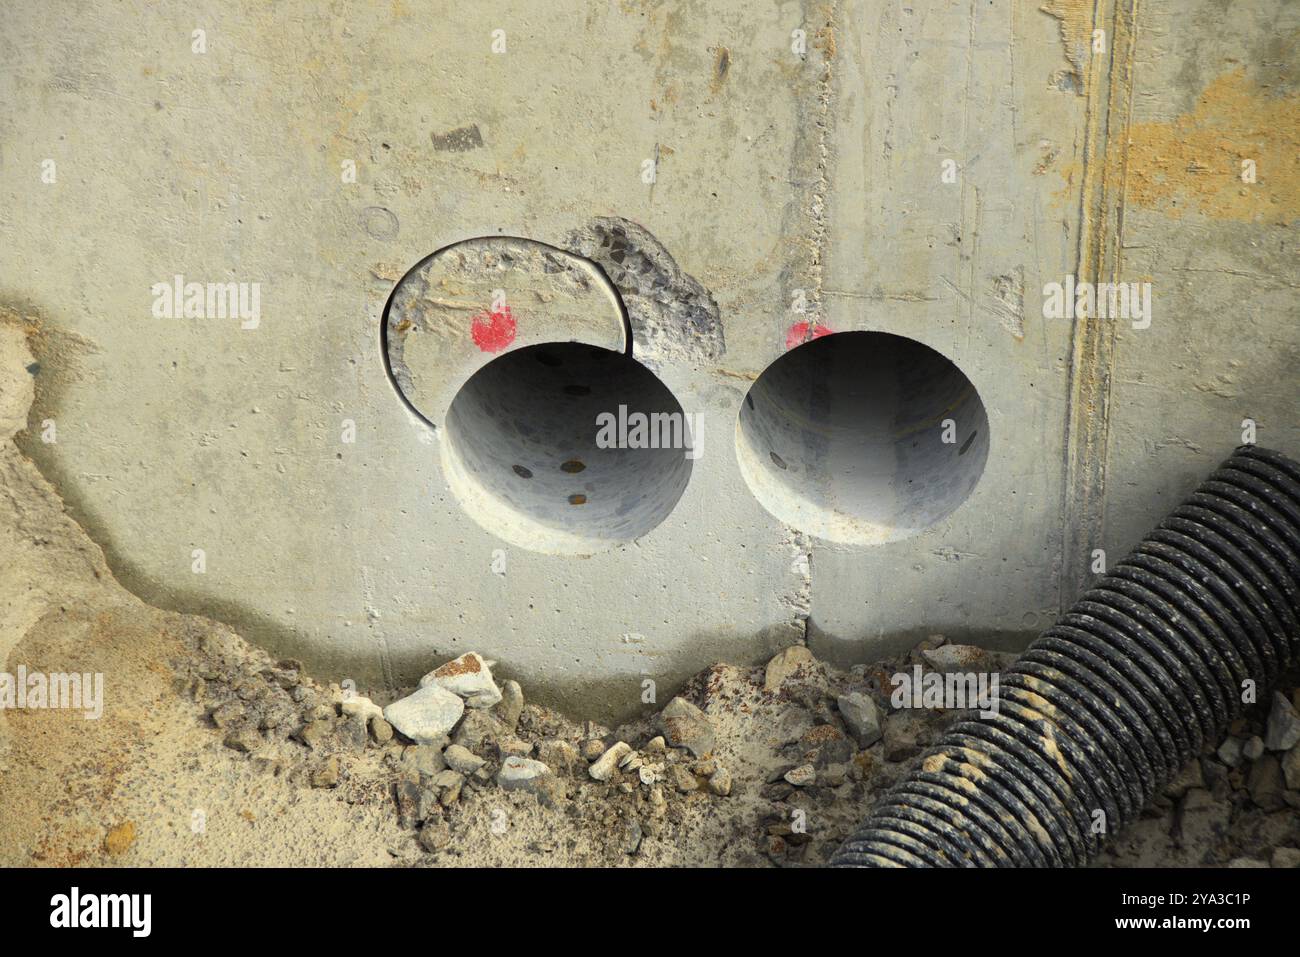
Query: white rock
column 631, row 762
column 521, row 773
column 605, row 764
column 425, row 715
column 360, row 704
column 469, row 676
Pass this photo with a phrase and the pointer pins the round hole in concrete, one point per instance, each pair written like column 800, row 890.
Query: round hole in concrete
column 520, row 449
column 862, row 437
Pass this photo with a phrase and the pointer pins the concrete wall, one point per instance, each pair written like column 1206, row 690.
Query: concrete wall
column 922, row 171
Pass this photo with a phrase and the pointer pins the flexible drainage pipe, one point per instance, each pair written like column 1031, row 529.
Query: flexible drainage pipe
column 1151, row 664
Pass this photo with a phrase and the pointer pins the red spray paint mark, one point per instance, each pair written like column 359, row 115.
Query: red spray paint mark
column 802, row 332
column 493, row 330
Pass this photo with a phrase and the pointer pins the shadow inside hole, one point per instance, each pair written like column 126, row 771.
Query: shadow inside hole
column 523, row 427
column 862, row 437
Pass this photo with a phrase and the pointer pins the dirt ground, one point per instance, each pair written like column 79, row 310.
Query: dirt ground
column 208, row 752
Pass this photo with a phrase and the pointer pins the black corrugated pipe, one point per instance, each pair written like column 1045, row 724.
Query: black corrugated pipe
column 1111, row 701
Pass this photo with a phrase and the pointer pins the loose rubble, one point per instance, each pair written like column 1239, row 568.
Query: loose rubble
column 777, row 764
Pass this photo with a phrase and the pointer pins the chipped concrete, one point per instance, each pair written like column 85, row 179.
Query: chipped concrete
column 673, row 318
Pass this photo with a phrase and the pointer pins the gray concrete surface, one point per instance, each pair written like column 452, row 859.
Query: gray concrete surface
column 923, row 171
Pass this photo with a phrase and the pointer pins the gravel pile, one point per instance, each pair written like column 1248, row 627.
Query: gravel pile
column 769, row 765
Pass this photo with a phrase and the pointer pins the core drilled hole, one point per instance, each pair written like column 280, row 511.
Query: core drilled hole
column 524, row 426
column 862, row 437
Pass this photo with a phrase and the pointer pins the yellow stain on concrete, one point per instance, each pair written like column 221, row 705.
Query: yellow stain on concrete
column 1194, row 162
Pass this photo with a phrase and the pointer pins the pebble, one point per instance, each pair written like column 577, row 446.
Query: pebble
column 682, row 779
column 424, row 759
column 631, row 762
column 318, row 712
column 1253, row 749
column 957, row 658
column 1231, row 751
column 906, row 733
column 801, row 776
column 517, row 747
column 1264, row 782
column 649, row 774
column 468, row 676
column 516, row 771
column 313, row 733
column 352, row 732
column 556, row 753
column 511, row 705
column 1283, row 732
column 862, row 717
column 605, row 764
column 914, row 657
column 826, row 744
column 720, row 782
column 526, row 774
column 593, row 749
column 448, row 784
column 784, row 664
column 479, row 731
column 426, row 714
column 462, row 759
column 435, row 835
column 655, row 745
column 381, row 730
column 327, row 775
column 360, row 704
column 406, row 795
column 686, row 726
